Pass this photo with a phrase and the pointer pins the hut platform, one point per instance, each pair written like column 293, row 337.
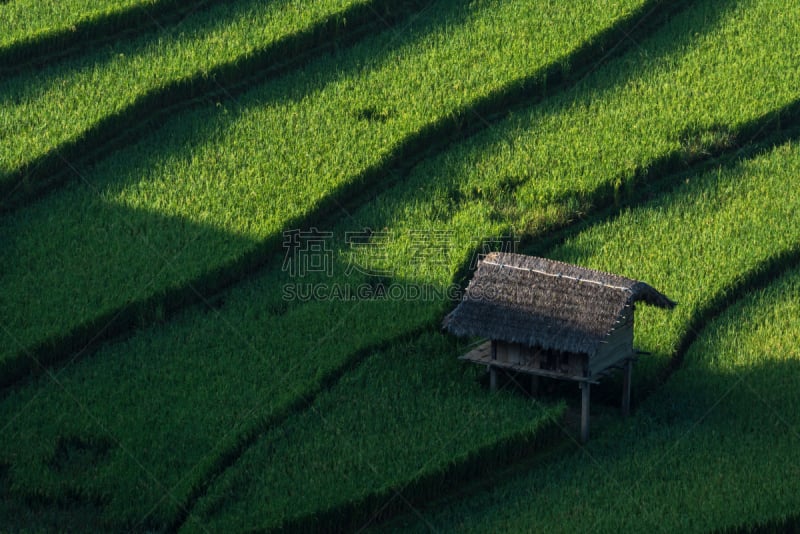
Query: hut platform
column 483, row 355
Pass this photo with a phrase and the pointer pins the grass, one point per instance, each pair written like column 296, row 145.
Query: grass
column 724, row 220
column 135, row 433
column 204, row 361
column 398, row 431
column 48, row 108
column 155, row 490
column 199, row 387
column 217, row 184
column 668, row 98
column 28, row 19
column 193, row 219
column 714, row 449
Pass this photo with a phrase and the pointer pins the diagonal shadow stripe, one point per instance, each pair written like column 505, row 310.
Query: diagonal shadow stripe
column 759, row 277
column 431, row 140
column 508, row 452
column 228, row 80
column 94, row 31
column 301, row 404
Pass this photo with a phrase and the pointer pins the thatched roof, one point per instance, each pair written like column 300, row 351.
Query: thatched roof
column 545, row 303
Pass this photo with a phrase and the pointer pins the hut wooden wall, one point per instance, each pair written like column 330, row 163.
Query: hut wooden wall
column 618, row 346
column 566, row 363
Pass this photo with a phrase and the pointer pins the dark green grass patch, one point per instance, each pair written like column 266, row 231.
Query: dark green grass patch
column 159, row 410
column 173, row 399
column 25, row 20
column 386, row 427
column 172, row 212
column 715, row 447
column 53, row 107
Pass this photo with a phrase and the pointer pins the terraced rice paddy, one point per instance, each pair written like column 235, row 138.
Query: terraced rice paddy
column 167, row 364
column 703, row 453
column 28, row 20
column 262, row 150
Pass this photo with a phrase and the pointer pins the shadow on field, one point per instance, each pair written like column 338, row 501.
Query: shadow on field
column 100, row 29
column 126, row 242
column 209, row 18
column 78, row 236
column 694, row 453
column 117, row 268
column 642, row 44
column 607, row 395
column 34, row 80
column 414, row 188
column 156, row 107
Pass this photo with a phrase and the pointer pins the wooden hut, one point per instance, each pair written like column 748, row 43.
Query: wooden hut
column 548, row 318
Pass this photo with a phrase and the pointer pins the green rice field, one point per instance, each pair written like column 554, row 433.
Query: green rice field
column 229, row 233
column 29, row 20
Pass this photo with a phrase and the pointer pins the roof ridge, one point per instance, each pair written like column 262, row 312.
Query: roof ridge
column 559, row 262
column 562, row 275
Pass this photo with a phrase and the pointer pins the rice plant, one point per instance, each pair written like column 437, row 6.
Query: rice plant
column 215, row 185
column 714, row 449
column 139, row 431
column 27, row 19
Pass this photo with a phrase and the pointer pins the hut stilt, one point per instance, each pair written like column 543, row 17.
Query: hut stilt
column 585, row 401
column 493, row 369
column 626, row 387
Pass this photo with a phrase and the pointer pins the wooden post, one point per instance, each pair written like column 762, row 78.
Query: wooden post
column 626, row 387
column 492, row 369
column 585, row 391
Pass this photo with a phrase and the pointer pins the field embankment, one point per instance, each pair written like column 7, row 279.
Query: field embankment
column 238, row 389
column 66, row 116
column 258, row 165
column 700, row 452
